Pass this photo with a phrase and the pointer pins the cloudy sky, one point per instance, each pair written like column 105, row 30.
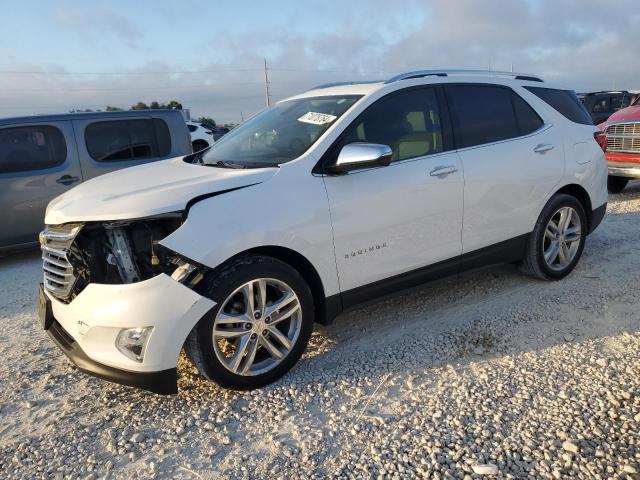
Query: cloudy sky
column 55, row 56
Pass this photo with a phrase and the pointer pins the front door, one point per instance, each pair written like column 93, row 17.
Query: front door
column 390, row 222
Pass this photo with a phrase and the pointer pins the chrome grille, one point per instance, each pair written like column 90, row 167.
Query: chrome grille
column 55, row 242
column 623, row 138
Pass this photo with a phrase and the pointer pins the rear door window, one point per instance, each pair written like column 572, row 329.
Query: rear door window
column 620, row 101
column 27, row 148
column 481, row 114
column 565, row 102
column 602, row 105
column 117, row 140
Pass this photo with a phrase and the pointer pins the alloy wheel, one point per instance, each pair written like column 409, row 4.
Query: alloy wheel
column 257, row 326
column 562, row 238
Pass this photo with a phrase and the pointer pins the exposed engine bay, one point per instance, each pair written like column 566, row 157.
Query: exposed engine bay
column 124, row 252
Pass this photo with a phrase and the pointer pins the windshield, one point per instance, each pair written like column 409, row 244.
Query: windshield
column 278, row 134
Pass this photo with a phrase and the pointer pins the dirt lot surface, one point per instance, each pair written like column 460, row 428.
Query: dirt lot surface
column 489, row 373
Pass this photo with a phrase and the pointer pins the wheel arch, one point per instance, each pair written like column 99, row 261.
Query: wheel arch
column 198, row 142
column 579, row 193
column 325, row 308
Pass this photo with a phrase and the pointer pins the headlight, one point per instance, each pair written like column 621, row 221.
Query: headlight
column 132, row 342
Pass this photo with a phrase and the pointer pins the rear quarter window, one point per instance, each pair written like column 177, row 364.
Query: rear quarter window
column 528, row 120
column 564, row 102
column 34, row 147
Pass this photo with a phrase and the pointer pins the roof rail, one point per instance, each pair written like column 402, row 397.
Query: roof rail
column 340, row 84
column 447, row 72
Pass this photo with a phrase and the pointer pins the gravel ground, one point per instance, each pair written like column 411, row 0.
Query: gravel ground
column 489, row 373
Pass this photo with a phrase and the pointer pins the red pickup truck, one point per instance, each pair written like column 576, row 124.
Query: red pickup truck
column 621, row 141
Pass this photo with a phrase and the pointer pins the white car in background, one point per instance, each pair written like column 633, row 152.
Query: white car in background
column 328, row 199
column 201, row 136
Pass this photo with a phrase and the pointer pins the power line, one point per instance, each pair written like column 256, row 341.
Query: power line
column 177, row 72
column 202, row 85
column 164, row 87
column 33, row 72
column 71, row 106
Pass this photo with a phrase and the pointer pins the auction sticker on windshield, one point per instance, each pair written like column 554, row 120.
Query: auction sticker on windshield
column 316, row 118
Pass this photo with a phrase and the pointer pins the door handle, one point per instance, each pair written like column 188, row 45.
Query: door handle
column 443, row 171
column 67, row 180
column 542, row 148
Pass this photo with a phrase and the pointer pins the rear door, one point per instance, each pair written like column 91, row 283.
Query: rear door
column 37, row 163
column 110, row 144
column 512, row 160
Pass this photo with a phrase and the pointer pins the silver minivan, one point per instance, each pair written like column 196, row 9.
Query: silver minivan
column 43, row 156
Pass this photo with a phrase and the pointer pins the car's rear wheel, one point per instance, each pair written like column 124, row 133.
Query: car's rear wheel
column 260, row 325
column 557, row 241
column 616, row 184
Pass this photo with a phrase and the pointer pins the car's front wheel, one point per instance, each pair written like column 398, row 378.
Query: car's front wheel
column 616, row 184
column 260, row 325
column 557, row 240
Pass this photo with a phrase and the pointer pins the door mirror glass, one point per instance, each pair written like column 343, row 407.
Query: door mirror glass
column 355, row 156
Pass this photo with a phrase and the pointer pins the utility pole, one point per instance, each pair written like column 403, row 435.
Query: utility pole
column 266, row 82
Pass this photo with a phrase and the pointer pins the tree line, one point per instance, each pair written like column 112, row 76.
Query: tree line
column 172, row 105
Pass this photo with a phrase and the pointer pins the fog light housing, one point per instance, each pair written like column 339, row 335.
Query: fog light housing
column 132, row 342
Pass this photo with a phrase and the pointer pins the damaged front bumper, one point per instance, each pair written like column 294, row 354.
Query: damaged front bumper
column 87, row 328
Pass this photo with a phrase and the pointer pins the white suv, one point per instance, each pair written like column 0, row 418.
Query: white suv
column 201, row 136
column 330, row 198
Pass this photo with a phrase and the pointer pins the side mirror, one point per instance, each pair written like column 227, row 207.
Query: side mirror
column 356, row 156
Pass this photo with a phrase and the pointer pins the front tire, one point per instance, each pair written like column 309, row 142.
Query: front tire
column 616, row 184
column 260, row 326
column 557, row 240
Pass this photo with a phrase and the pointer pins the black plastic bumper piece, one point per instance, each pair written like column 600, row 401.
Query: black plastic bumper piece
column 164, row 382
column 597, row 214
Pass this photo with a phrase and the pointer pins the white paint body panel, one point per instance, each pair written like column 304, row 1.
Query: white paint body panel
column 200, row 133
column 290, row 211
column 496, row 194
column 146, row 190
column 506, row 186
column 162, row 303
column 387, row 221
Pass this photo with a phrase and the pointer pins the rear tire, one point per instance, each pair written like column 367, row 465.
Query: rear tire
column 274, row 309
column 616, row 184
column 557, row 240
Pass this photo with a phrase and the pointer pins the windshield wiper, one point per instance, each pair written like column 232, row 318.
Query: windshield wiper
column 223, row 164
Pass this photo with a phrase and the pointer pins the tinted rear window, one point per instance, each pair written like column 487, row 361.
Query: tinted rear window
column 565, row 102
column 31, row 148
column 528, row 120
column 481, row 114
column 127, row 139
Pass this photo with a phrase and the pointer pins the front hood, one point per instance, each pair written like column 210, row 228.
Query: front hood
column 626, row 114
column 146, row 190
